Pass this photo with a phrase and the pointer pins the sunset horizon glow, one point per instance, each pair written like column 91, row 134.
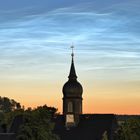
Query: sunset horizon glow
column 35, row 54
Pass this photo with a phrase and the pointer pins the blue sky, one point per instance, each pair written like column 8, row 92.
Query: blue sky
column 33, row 32
column 35, row 39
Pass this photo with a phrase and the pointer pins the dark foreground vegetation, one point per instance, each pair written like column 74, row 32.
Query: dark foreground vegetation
column 128, row 127
column 37, row 122
column 38, row 125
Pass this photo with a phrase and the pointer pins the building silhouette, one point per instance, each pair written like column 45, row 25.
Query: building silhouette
column 72, row 97
column 73, row 124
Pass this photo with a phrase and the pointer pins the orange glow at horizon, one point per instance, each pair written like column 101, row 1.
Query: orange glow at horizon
column 97, row 98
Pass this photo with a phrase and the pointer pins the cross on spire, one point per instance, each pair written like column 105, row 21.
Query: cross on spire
column 72, row 54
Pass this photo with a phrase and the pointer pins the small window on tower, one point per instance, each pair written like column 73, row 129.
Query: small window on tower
column 70, row 107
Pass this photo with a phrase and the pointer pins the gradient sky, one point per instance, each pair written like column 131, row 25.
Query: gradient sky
column 35, row 39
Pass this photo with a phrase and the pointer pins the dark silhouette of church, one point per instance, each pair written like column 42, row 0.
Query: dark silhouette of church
column 73, row 124
column 72, row 100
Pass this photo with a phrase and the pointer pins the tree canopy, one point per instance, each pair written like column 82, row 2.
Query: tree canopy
column 8, row 105
column 38, row 125
column 128, row 130
column 37, row 122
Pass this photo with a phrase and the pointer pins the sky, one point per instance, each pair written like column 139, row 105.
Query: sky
column 35, row 40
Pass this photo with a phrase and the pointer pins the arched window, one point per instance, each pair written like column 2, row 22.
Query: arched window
column 70, row 107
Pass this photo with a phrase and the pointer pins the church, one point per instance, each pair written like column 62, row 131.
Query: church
column 72, row 124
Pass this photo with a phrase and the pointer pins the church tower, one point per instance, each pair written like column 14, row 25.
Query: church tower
column 72, row 97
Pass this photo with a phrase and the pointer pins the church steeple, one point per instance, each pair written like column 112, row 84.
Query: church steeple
column 72, row 97
column 72, row 74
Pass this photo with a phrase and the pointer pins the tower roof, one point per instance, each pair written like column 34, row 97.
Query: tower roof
column 72, row 74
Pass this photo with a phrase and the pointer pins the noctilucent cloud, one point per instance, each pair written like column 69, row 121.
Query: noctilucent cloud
column 35, row 40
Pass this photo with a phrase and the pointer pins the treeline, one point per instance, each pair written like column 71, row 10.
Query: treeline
column 36, row 123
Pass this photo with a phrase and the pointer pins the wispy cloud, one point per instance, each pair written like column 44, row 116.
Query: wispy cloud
column 36, row 37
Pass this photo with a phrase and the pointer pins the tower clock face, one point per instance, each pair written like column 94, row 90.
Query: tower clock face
column 69, row 118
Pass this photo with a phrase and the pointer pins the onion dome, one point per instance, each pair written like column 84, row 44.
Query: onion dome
column 72, row 88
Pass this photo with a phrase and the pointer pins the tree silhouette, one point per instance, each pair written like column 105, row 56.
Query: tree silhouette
column 129, row 130
column 8, row 105
column 38, row 125
column 37, row 122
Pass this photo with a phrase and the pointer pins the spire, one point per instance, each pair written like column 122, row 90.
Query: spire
column 72, row 74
